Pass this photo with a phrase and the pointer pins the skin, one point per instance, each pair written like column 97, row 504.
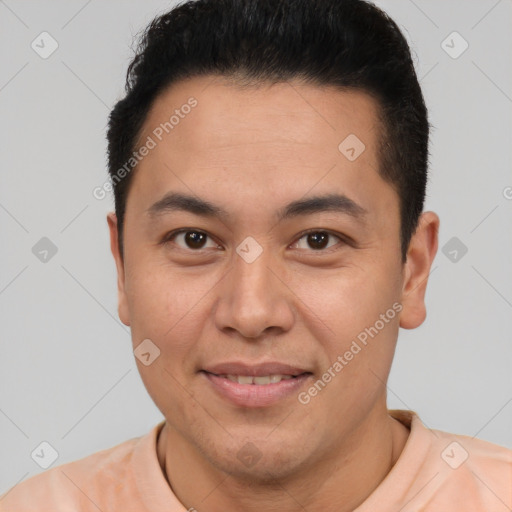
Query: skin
column 252, row 151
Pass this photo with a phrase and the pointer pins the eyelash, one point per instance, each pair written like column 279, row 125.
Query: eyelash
column 173, row 234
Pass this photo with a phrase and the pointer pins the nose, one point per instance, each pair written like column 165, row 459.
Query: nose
column 254, row 299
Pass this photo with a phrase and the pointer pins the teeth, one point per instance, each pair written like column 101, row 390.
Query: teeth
column 263, row 380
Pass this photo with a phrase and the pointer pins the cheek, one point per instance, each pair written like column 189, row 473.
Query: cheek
column 167, row 306
column 359, row 343
column 347, row 304
column 348, row 297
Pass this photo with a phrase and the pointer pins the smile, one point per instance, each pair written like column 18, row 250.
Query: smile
column 256, row 391
column 262, row 380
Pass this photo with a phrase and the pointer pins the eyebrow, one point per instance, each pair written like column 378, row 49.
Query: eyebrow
column 337, row 203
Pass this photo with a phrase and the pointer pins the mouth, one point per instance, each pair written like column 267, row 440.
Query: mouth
column 250, row 391
column 262, row 380
column 240, row 369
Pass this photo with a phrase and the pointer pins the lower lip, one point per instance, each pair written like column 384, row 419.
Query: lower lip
column 256, row 395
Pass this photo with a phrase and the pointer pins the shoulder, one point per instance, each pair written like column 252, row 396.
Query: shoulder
column 438, row 469
column 471, row 470
column 82, row 485
column 481, row 461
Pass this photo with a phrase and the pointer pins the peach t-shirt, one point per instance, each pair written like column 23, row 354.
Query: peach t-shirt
column 436, row 472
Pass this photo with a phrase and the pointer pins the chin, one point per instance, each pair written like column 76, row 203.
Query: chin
column 260, row 462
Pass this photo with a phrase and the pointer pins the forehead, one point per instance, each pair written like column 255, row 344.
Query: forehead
column 225, row 111
column 243, row 142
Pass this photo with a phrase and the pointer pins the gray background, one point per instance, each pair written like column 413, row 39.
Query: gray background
column 67, row 372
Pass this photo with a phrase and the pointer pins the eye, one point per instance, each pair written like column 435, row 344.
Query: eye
column 190, row 239
column 317, row 240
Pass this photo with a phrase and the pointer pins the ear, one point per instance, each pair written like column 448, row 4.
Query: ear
column 122, row 307
column 420, row 255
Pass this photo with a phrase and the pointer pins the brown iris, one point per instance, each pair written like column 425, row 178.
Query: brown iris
column 318, row 240
column 195, row 239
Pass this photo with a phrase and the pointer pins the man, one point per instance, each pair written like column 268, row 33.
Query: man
column 269, row 164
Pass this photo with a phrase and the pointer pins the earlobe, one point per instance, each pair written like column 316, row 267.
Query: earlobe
column 123, row 309
column 420, row 255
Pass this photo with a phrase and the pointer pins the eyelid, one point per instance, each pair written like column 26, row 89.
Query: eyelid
column 339, row 236
column 169, row 237
column 344, row 239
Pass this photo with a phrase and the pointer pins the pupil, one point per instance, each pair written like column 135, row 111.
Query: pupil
column 318, row 240
column 194, row 239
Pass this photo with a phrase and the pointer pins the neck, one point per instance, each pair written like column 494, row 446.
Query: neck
column 338, row 483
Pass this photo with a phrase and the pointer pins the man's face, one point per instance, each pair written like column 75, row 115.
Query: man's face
column 204, row 298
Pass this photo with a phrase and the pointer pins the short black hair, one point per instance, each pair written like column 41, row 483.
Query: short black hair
column 350, row 44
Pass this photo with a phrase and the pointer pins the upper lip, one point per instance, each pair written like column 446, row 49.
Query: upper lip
column 255, row 370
